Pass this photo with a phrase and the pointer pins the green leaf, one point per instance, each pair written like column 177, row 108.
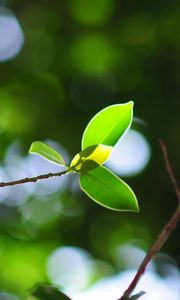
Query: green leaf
column 46, row 152
column 105, row 188
column 90, row 158
column 108, row 126
column 47, row 292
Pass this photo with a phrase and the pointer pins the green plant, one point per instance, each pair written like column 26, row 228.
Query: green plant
column 100, row 184
column 99, row 138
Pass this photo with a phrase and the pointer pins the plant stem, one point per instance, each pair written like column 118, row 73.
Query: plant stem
column 164, row 234
column 169, row 169
column 32, row 179
column 161, row 239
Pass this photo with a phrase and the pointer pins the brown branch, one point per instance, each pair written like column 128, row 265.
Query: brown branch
column 32, row 179
column 169, row 169
column 164, row 234
column 161, row 239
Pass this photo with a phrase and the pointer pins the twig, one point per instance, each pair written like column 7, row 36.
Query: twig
column 165, row 233
column 170, row 169
column 32, row 179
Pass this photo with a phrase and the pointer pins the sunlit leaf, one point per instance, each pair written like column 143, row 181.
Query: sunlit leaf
column 47, row 292
column 90, row 158
column 108, row 190
column 108, row 126
column 46, row 152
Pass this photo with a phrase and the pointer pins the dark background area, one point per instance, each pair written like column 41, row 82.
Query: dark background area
column 77, row 58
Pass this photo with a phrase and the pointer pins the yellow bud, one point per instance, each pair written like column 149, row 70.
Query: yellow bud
column 90, row 158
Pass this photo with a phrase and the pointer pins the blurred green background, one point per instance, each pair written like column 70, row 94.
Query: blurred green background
column 60, row 63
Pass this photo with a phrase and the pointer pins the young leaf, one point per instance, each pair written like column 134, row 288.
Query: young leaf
column 47, row 292
column 90, row 158
column 105, row 188
column 108, row 126
column 46, row 152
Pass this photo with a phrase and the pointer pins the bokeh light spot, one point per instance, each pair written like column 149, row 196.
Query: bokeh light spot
column 111, row 288
column 11, row 35
column 128, row 256
column 22, row 267
column 7, row 296
column 41, row 211
column 130, row 155
column 91, row 12
column 70, row 267
column 93, row 54
column 14, row 110
column 24, row 271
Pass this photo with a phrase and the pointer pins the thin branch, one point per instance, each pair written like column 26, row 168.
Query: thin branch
column 169, row 169
column 165, row 233
column 32, row 179
column 161, row 239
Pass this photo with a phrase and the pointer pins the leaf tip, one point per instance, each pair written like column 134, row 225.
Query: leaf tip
column 32, row 146
column 136, row 208
column 47, row 152
column 130, row 103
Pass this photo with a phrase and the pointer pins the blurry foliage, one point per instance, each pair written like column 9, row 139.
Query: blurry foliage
column 80, row 56
column 46, row 292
